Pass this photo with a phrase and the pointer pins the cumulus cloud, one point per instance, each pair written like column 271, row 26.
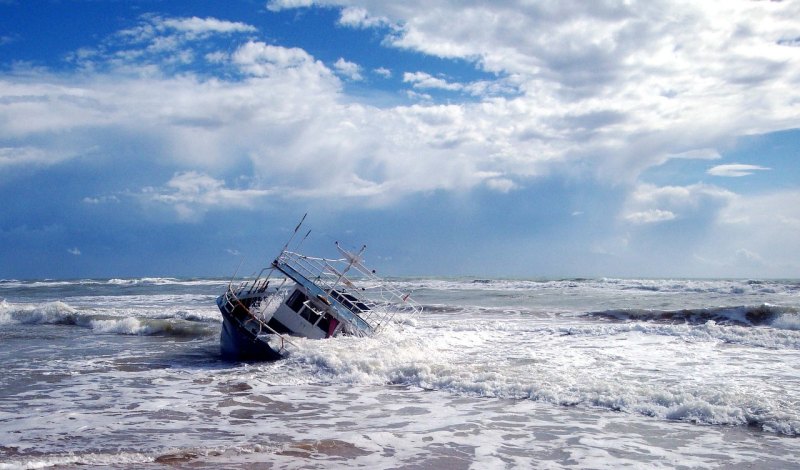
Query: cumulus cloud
column 603, row 90
column 637, row 61
column 347, row 69
column 383, row 72
column 191, row 194
column 360, row 18
column 263, row 60
column 735, row 170
column 425, row 80
column 649, row 203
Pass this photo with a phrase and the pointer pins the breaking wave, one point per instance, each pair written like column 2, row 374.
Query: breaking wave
column 184, row 324
column 787, row 318
column 694, row 286
column 405, row 359
column 113, row 282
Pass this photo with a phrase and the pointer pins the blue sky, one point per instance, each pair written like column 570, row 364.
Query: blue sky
column 458, row 138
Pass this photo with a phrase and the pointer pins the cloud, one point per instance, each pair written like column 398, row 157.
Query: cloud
column 735, row 170
column 74, row 251
column 480, row 88
column 360, row 18
column 594, row 90
column 155, row 28
column 503, row 185
column 161, row 43
column 696, row 154
column 424, row 80
column 648, row 204
column 191, row 194
column 383, row 72
column 349, row 70
column 265, row 60
column 638, row 61
column 26, row 156
column 760, row 235
column 106, row 199
column 202, row 27
column 650, row 216
column 277, row 5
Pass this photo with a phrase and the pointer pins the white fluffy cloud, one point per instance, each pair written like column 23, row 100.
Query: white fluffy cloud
column 348, row 69
column 191, row 194
column 632, row 82
column 425, row 80
column 603, row 90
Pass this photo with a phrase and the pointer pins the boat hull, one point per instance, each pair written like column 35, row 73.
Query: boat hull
column 237, row 343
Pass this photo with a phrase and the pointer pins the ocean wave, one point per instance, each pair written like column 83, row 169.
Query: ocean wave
column 769, row 338
column 19, row 462
column 157, row 281
column 694, row 286
column 113, row 282
column 60, row 313
column 57, row 313
column 402, row 359
column 441, row 308
column 151, row 327
column 762, row 315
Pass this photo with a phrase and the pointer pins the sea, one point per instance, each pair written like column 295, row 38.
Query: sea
column 493, row 374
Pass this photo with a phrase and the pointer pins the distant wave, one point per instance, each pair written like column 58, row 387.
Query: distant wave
column 787, row 318
column 60, row 313
column 121, row 282
column 698, row 286
column 439, row 308
column 157, row 281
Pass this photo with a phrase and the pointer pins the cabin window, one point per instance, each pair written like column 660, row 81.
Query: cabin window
column 296, row 300
column 350, row 301
column 324, row 324
column 309, row 315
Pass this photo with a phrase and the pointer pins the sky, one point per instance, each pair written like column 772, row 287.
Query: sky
column 536, row 139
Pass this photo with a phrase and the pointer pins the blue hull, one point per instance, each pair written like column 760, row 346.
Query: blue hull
column 239, row 344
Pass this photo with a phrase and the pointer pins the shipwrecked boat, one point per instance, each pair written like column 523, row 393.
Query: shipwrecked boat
column 314, row 298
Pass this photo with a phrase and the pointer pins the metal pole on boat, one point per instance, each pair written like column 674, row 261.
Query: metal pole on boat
column 235, row 273
column 304, row 239
column 351, row 260
column 294, row 233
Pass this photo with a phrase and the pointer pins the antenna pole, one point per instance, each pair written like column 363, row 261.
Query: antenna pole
column 294, row 233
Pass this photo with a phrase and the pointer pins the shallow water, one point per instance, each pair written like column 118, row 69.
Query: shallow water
column 494, row 374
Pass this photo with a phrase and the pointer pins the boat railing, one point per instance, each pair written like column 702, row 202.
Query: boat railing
column 364, row 294
column 232, row 301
